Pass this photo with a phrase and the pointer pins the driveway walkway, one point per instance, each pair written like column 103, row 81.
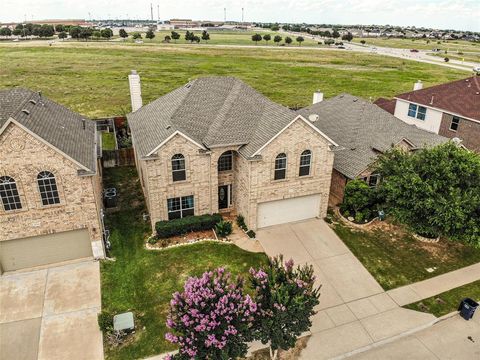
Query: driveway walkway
column 354, row 311
column 51, row 313
column 424, row 289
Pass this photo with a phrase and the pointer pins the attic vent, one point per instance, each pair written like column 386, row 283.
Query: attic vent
column 355, row 100
column 168, row 127
column 26, row 112
column 313, row 117
column 32, row 102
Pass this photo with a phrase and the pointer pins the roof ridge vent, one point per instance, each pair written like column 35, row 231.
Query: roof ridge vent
column 31, row 101
column 26, row 112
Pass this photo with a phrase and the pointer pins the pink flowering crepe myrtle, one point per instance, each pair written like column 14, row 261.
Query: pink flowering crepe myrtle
column 211, row 318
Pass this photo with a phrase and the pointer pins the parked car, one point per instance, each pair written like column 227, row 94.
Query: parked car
column 414, row 50
column 340, row 47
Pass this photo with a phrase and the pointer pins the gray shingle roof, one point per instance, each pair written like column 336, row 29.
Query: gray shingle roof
column 363, row 130
column 66, row 130
column 213, row 111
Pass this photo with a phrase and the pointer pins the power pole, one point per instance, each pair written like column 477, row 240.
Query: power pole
column 151, row 11
column 224, row 14
column 242, row 15
column 158, row 14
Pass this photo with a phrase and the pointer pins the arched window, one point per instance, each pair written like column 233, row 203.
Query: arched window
column 47, row 185
column 178, row 167
column 225, row 161
column 280, row 166
column 305, row 163
column 9, row 194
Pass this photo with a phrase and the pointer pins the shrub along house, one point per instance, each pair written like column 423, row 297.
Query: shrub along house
column 217, row 145
column 363, row 131
column 451, row 109
column 50, row 184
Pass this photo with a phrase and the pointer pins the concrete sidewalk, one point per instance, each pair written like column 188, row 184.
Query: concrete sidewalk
column 424, row 289
column 354, row 311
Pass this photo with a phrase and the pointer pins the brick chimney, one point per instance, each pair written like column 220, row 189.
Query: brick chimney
column 135, row 90
column 317, row 96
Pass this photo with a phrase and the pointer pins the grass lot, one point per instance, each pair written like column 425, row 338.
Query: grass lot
column 395, row 258
column 143, row 281
column 108, row 141
column 448, row 301
column 91, row 78
column 230, row 38
column 421, row 44
column 474, row 57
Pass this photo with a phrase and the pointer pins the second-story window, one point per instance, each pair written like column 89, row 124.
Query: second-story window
column 454, row 123
column 280, row 167
column 417, row 111
column 47, row 185
column 178, row 167
column 225, row 161
column 305, row 163
column 9, row 194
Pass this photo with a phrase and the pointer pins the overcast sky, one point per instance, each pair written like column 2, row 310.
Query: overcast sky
column 456, row 14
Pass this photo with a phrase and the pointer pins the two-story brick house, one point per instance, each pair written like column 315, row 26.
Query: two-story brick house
column 451, row 109
column 50, row 183
column 217, row 145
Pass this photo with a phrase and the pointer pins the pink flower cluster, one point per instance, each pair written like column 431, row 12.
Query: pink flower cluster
column 210, row 312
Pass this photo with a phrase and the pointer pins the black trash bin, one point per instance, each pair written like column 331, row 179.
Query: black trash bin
column 467, row 308
column 110, row 198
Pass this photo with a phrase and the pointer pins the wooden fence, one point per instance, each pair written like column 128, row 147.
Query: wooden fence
column 120, row 157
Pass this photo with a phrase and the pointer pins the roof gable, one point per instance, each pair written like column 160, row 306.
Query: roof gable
column 461, row 97
column 64, row 130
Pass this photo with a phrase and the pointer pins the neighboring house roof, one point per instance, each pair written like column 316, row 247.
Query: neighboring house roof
column 363, row 130
column 65, row 130
column 213, row 112
column 460, row 97
column 386, row 104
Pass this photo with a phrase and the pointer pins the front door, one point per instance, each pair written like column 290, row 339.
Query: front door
column 223, row 196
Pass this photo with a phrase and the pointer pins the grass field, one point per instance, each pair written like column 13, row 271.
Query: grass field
column 395, row 258
column 91, row 78
column 474, row 57
column 143, row 281
column 450, row 45
column 448, row 301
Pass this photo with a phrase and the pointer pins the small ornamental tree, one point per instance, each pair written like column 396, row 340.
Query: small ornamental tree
column 211, row 318
column 175, row 36
column 123, row 34
column 435, row 191
column 285, row 297
column 205, row 36
column 288, row 40
column 358, row 201
column 62, row 35
column 256, row 38
column 150, row 34
column 267, row 38
column 136, row 35
column 107, row 33
column 300, row 39
column 277, row 39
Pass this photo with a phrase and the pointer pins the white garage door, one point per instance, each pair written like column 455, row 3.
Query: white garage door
column 44, row 250
column 288, row 210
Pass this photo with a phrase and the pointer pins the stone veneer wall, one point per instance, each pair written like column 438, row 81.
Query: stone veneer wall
column 468, row 131
column 22, row 157
column 293, row 141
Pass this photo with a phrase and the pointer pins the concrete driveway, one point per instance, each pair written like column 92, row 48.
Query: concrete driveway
column 51, row 313
column 355, row 313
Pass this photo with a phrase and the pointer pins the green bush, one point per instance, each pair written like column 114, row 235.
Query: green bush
column 223, row 228
column 241, row 222
column 166, row 229
column 359, row 201
column 251, row 234
column 105, row 321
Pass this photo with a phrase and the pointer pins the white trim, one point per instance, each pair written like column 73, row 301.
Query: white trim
column 445, row 111
column 170, row 137
column 13, row 121
column 288, row 125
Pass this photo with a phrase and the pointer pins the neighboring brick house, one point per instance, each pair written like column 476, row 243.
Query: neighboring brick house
column 363, row 131
column 50, row 183
column 451, row 109
column 217, row 145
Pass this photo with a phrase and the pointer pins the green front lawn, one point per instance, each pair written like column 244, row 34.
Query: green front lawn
column 395, row 258
column 448, row 301
column 143, row 281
